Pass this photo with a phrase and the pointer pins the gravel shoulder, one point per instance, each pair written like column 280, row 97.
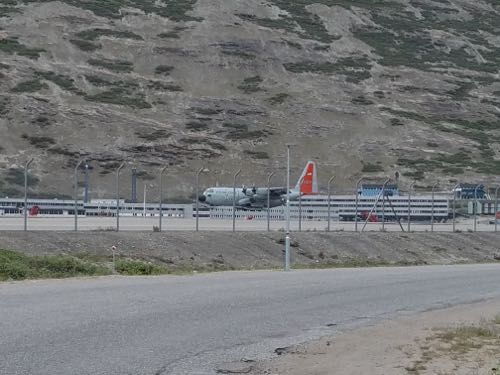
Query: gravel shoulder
column 458, row 340
column 260, row 250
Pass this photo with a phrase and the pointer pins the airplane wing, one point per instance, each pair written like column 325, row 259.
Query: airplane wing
column 277, row 191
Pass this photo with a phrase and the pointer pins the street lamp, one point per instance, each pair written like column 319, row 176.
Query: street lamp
column 409, row 205
column 496, row 208
column 454, row 209
column 357, row 201
column 475, row 207
column 329, row 200
column 234, row 198
column 162, row 171
column 26, row 193
column 301, row 181
column 269, row 199
column 201, row 170
column 383, row 202
column 118, row 196
column 76, row 192
column 432, row 209
column 287, row 236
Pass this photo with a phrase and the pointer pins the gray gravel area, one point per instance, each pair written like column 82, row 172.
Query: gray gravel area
column 265, row 250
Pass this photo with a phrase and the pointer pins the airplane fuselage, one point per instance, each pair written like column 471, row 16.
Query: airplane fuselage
column 244, row 198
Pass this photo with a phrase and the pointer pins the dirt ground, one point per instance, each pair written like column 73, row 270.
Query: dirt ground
column 258, row 250
column 463, row 340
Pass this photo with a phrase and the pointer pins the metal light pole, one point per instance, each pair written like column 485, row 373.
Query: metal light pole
column 86, row 191
column 432, row 210
column 301, row 181
column 383, row 203
column 76, row 192
column 496, row 208
column 197, row 192
column 235, row 176
column 329, row 200
column 144, row 202
column 162, row 171
column 26, row 193
column 409, row 205
column 118, row 196
column 287, row 237
column 454, row 209
column 269, row 200
column 357, row 201
column 475, row 207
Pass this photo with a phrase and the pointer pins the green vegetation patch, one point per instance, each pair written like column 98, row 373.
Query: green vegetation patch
column 173, row 34
column 164, row 86
column 372, row 168
column 39, row 141
column 134, row 267
column 402, row 38
column 120, row 96
column 63, row 81
column 4, row 105
column 15, row 176
column 356, row 69
column 85, row 45
column 176, row 10
column 32, row 85
column 17, row 266
column 278, row 98
column 257, row 154
column 251, row 84
column 12, row 46
column 196, row 126
column 118, row 66
column 164, row 69
column 94, row 34
column 305, row 24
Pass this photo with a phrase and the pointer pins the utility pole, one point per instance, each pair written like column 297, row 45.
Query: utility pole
column 161, row 197
column 287, row 237
column 269, row 200
column 234, row 198
column 357, row 202
column 76, row 192
column 329, row 200
column 409, row 205
column 432, row 210
column 26, row 193
column 118, row 196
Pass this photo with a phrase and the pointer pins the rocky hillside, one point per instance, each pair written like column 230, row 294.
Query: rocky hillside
column 366, row 87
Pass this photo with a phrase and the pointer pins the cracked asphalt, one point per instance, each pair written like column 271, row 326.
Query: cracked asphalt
column 198, row 324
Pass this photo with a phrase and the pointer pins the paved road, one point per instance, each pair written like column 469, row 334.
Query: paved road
column 140, row 223
column 193, row 324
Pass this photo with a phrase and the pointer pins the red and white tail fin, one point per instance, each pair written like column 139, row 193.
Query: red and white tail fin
column 309, row 180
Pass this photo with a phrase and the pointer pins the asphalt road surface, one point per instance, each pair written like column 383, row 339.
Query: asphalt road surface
column 197, row 324
column 188, row 224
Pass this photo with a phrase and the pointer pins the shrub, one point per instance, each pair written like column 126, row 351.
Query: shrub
column 251, row 84
column 113, row 65
column 164, row 69
column 30, row 86
column 85, row 45
column 12, row 46
column 94, row 34
column 120, row 96
column 133, row 267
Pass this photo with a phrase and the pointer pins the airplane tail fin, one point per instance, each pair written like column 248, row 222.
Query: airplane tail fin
column 309, row 180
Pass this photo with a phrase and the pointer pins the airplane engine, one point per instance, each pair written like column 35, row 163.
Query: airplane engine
column 245, row 202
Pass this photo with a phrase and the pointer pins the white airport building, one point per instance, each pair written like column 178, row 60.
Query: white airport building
column 311, row 207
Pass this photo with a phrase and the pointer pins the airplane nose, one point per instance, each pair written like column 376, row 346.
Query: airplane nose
column 202, row 198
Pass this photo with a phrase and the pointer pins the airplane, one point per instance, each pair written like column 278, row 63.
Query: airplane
column 256, row 197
